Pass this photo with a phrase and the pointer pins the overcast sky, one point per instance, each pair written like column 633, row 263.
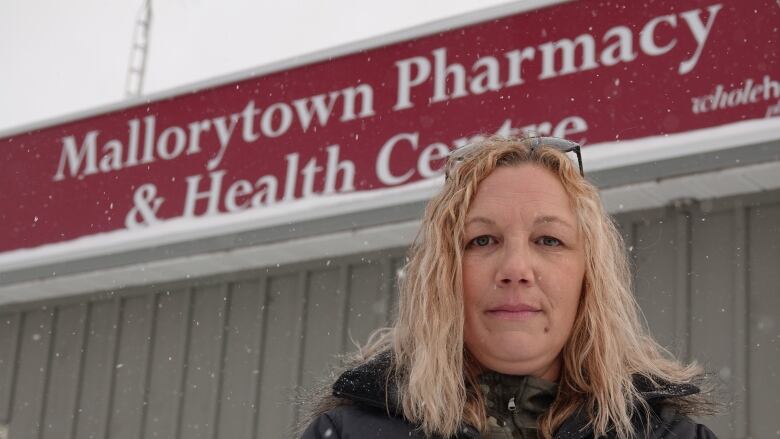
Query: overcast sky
column 60, row 57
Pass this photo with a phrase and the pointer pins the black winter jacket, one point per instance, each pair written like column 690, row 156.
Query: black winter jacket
column 365, row 413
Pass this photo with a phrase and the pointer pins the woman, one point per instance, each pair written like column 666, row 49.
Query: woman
column 516, row 318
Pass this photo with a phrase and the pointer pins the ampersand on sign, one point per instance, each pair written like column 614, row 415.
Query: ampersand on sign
column 146, row 204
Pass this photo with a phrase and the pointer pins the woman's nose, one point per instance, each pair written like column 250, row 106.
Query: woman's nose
column 515, row 266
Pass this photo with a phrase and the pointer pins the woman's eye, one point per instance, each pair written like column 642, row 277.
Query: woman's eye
column 549, row 241
column 481, row 241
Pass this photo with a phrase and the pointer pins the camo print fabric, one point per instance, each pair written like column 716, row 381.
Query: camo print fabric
column 514, row 404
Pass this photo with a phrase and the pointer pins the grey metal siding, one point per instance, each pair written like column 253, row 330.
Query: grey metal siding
column 10, row 327
column 762, row 372
column 65, row 366
column 242, row 360
column 226, row 357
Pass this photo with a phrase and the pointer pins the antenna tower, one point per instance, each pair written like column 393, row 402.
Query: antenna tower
column 134, row 82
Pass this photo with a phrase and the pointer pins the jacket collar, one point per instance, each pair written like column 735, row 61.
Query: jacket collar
column 577, row 426
column 371, row 384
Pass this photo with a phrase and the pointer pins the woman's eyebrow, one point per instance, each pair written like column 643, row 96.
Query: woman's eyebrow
column 480, row 219
column 540, row 220
column 552, row 219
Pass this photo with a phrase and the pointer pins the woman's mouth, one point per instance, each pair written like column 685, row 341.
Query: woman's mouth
column 514, row 312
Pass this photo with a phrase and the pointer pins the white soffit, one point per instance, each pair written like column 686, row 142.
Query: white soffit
column 275, row 254
column 611, row 155
column 723, row 183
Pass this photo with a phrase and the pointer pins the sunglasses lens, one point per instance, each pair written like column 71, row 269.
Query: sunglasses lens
column 532, row 142
column 563, row 145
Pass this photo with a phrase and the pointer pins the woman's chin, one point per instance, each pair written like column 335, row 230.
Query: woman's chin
column 520, row 363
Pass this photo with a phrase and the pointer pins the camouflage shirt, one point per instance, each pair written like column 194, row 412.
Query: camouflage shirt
column 514, row 404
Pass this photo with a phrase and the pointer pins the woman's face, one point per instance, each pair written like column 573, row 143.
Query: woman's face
column 523, row 270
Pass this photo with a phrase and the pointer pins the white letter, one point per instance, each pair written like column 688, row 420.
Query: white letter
column 149, row 135
column 284, row 123
column 178, row 148
column 620, row 50
column 463, row 141
column 367, row 103
column 334, row 167
column 432, row 152
column 238, row 189
column 292, row 176
column 383, row 161
column 647, row 36
column 506, row 130
column 700, row 34
column 269, row 191
column 570, row 125
column 212, row 195
column 224, row 132
column 771, row 88
column 69, row 154
column 305, row 113
column 248, row 115
column 195, row 129
column 569, row 47
column 488, row 79
column 542, row 129
column 309, row 171
column 441, row 72
column 516, row 58
column 132, row 142
column 405, row 83
column 112, row 158
column 754, row 93
column 697, row 106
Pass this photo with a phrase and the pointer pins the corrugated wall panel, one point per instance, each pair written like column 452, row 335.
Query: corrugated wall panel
column 281, row 356
column 682, row 259
column 204, row 363
column 241, row 369
column 9, row 344
column 365, row 310
column 764, row 322
column 656, row 277
column 325, row 308
column 134, row 336
column 63, row 382
column 740, row 311
column 166, row 371
column 29, row 402
column 712, row 286
column 98, row 370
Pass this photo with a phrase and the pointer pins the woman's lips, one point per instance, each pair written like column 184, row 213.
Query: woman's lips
column 514, row 312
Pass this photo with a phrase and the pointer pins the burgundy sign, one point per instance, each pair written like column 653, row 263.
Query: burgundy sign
column 586, row 70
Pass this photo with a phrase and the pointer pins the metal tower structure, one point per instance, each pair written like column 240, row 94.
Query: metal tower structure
column 134, row 82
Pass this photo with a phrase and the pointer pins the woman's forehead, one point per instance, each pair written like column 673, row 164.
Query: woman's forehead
column 525, row 190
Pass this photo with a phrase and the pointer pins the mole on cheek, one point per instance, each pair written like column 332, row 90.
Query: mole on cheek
column 546, row 329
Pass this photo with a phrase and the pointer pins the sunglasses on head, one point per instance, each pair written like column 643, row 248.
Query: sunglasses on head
column 532, row 140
